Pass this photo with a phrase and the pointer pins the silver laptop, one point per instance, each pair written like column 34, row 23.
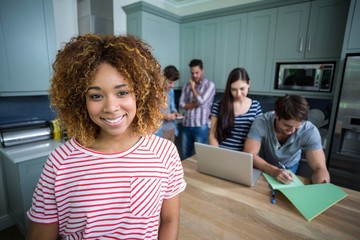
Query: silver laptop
column 227, row 164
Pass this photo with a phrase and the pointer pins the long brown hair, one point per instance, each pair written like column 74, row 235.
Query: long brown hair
column 225, row 120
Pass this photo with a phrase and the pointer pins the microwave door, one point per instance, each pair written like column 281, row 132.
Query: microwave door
column 299, row 79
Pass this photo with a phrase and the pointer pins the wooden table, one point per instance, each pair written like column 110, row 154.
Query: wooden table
column 213, row 208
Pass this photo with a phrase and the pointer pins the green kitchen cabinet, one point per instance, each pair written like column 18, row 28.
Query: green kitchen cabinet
column 260, row 49
column 210, row 42
column 240, row 40
column 134, row 24
column 27, row 46
column 189, row 48
column 21, row 179
column 5, row 219
column 311, row 30
column 22, row 167
column 218, row 42
column 353, row 43
column 163, row 36
column 201, row 40
column 160, row 29
column 232, row 47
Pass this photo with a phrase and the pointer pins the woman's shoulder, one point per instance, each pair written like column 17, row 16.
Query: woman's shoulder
column 254, row 102
column 157, row 142
column 70, row 145
column 216, row 105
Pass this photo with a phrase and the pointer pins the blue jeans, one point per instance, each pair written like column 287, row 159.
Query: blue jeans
column 190, row 135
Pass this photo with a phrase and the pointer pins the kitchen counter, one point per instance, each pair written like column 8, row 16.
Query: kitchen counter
column 24, row 152
column 22, row 166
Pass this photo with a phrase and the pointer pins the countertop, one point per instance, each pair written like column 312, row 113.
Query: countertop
column 29, row 151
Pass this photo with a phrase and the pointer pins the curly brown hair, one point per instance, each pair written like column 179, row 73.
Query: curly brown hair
column 75, row 67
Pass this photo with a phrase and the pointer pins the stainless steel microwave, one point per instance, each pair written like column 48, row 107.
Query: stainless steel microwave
column 305, row 76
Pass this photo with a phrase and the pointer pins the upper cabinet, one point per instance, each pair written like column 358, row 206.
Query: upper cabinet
column 260, row 39
column 218, row 42
column 353, row 43
column 189, row 48
column 255, row 38
column 240, row 40
column 232, row 47
column 311, row 30
column 161, row 31
column 27, row 46
column 163, row 36
column 209, row 42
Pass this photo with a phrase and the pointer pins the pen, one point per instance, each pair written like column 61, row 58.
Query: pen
column 283, row 167
column 273, row 196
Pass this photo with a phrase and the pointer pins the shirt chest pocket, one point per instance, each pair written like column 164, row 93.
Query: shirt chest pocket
column 146, row 196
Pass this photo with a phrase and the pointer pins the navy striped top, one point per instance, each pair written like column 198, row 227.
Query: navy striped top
column 242, row 124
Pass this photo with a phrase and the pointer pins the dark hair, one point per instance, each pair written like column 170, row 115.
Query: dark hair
column 292, row 107
column 196, row 63
column 171, row 73
column 74, row 70
column 225, row 121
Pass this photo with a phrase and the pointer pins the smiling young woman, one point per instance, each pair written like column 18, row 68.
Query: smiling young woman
column 113, row 179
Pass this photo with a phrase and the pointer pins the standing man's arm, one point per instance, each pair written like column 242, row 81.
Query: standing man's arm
column 182, row 102
column 193, row 88
column 317, row 162
column 188, row 106
column 253, row 147
column 207, row 94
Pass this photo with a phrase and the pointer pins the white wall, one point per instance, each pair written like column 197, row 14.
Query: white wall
column 120, row 15
column 65, row 17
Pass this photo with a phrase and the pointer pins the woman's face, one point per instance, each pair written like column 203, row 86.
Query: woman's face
column 110, row 103
column 239, row 90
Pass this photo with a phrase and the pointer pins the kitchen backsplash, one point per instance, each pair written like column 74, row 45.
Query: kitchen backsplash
column 25, row 108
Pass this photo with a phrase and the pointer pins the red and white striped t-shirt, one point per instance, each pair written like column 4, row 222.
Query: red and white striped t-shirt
column 93, row 195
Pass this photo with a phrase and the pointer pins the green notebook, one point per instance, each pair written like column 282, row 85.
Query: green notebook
column 310, row 200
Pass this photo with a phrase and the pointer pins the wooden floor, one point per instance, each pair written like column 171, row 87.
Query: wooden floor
column 11, row 233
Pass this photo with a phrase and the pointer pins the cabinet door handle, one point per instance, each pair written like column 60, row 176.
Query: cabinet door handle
column 301, row 44
column 309, row 44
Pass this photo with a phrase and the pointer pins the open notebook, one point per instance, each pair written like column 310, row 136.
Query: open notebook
column 227, row 164
column 311, row 200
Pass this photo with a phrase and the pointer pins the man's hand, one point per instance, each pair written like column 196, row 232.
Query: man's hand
column 192, row 84
column 282, row 176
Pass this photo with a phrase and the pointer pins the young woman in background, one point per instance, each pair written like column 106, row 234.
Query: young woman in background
column 232, row 116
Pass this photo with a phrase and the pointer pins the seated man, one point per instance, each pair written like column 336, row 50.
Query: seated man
column 277, row 138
